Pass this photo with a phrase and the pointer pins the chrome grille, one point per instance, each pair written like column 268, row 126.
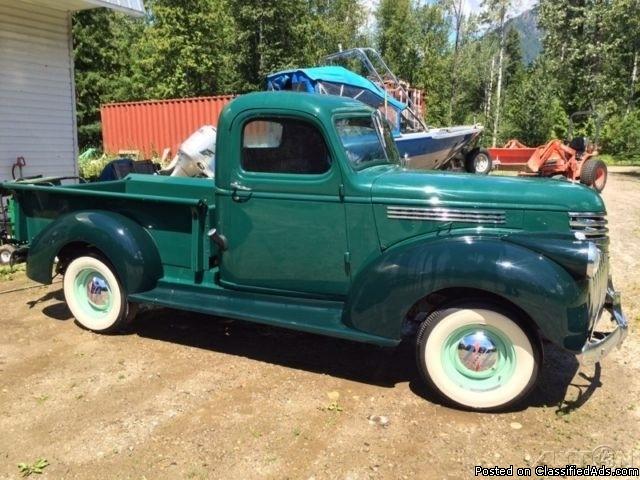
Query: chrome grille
column 598, row 290
column 593, row 225
column 439, row 214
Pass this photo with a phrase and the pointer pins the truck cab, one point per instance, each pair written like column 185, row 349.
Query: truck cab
column 280, row 200
column 313, row 223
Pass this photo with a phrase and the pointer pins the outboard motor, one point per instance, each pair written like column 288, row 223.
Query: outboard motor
column 196, row 156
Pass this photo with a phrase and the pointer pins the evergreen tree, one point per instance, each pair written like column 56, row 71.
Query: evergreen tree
column 273, row 35
column 101, row 40
column 582, row 47
column 470, row 68
column 514, row 67
column 495, row 14
column 189, row 48
column 413, row 38
column 474, row 74
column 533, row 112
column 398, row 28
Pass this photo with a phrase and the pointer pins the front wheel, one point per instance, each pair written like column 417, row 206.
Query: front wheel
column 95, row 296
column 477, row 357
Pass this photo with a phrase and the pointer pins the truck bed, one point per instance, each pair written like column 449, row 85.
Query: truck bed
column 176, row 212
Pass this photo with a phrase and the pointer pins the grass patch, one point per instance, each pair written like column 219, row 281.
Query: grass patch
column 36, row 467
column 9, row 273
column 620, row 162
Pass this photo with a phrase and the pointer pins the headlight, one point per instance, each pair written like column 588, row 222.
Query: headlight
column 593, row 260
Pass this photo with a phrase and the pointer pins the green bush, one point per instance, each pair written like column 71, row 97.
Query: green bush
column 621, row 137
column 91, row 163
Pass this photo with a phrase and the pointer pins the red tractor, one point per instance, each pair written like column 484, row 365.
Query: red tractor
column 575, row 158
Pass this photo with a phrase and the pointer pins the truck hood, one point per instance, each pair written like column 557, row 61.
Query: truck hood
column 447, row 189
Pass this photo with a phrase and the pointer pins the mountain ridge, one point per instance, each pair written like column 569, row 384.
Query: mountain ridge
column 526, row 24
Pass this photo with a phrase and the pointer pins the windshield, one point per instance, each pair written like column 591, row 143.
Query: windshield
column 367, row 141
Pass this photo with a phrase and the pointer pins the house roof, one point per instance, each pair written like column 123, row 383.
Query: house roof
column 131, row 7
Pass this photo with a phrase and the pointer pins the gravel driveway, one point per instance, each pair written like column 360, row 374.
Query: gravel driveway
column 189, row 396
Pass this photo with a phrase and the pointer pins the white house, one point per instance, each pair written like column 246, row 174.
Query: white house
column 37, row 96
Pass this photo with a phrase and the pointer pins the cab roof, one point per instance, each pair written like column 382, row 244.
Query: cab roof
column 310, row 103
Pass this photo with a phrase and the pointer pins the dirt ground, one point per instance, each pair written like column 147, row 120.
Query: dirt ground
column 195, row 397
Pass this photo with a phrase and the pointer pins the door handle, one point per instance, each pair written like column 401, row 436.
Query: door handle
column 239, row 192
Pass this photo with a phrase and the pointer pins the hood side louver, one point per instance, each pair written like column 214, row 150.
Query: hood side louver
column 439, row 214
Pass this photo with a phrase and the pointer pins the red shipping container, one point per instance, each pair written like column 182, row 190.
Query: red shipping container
column 151, row 126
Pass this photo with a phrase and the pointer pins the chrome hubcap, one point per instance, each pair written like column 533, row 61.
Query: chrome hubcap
column 5, row 257
column 477, row 351
column 478, row 358
column 98, row 293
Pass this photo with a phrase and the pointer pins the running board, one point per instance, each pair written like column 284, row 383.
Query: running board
column 322, row 317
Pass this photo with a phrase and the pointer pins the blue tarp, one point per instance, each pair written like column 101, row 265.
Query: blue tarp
column 306, row 79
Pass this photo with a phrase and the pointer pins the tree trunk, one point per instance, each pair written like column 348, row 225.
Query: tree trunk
column 260, row 48
column 496, row 118
column 489, row 90
column 457, row 9
column 634, row 79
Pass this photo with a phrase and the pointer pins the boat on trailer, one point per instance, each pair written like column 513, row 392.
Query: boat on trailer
column 362, row 74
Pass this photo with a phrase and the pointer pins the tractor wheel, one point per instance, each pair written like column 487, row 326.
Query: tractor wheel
column 478, row 161
column 594, row 174
column 5, row 253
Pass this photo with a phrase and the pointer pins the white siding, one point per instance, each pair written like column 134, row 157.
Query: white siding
column 37, row 113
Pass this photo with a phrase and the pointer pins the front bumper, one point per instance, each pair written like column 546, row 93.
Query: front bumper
column 600, row 344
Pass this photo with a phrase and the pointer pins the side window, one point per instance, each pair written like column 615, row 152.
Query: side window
column 282, row 145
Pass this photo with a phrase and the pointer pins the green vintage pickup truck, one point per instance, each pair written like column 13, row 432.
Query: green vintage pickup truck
column 313, row 223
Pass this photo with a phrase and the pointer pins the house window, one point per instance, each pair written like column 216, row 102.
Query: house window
column 283, row 146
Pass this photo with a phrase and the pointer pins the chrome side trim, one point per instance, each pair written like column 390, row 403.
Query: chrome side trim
column 588, row 222
column 439, row 214
column 588, row 214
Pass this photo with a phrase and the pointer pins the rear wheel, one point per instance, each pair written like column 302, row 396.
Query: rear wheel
column 478, row 161
column 477, row 357
column 5, row 254
column 95, row 296
column 594, row 174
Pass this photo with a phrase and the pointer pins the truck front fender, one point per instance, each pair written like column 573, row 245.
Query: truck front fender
column 385, row 290
column 128, row 247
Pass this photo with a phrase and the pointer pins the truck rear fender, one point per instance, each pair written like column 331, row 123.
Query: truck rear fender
column 128, row 247
column 386, row 290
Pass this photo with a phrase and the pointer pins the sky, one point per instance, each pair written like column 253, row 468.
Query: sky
column 473, row 6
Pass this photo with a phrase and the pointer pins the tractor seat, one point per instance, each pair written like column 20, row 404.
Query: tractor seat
column 579, row 144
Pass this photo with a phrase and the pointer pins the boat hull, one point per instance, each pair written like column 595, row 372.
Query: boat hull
column 434, row 148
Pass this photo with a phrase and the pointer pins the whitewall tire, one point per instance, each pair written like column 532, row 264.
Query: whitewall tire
column 95, row 296
column 477, row 357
